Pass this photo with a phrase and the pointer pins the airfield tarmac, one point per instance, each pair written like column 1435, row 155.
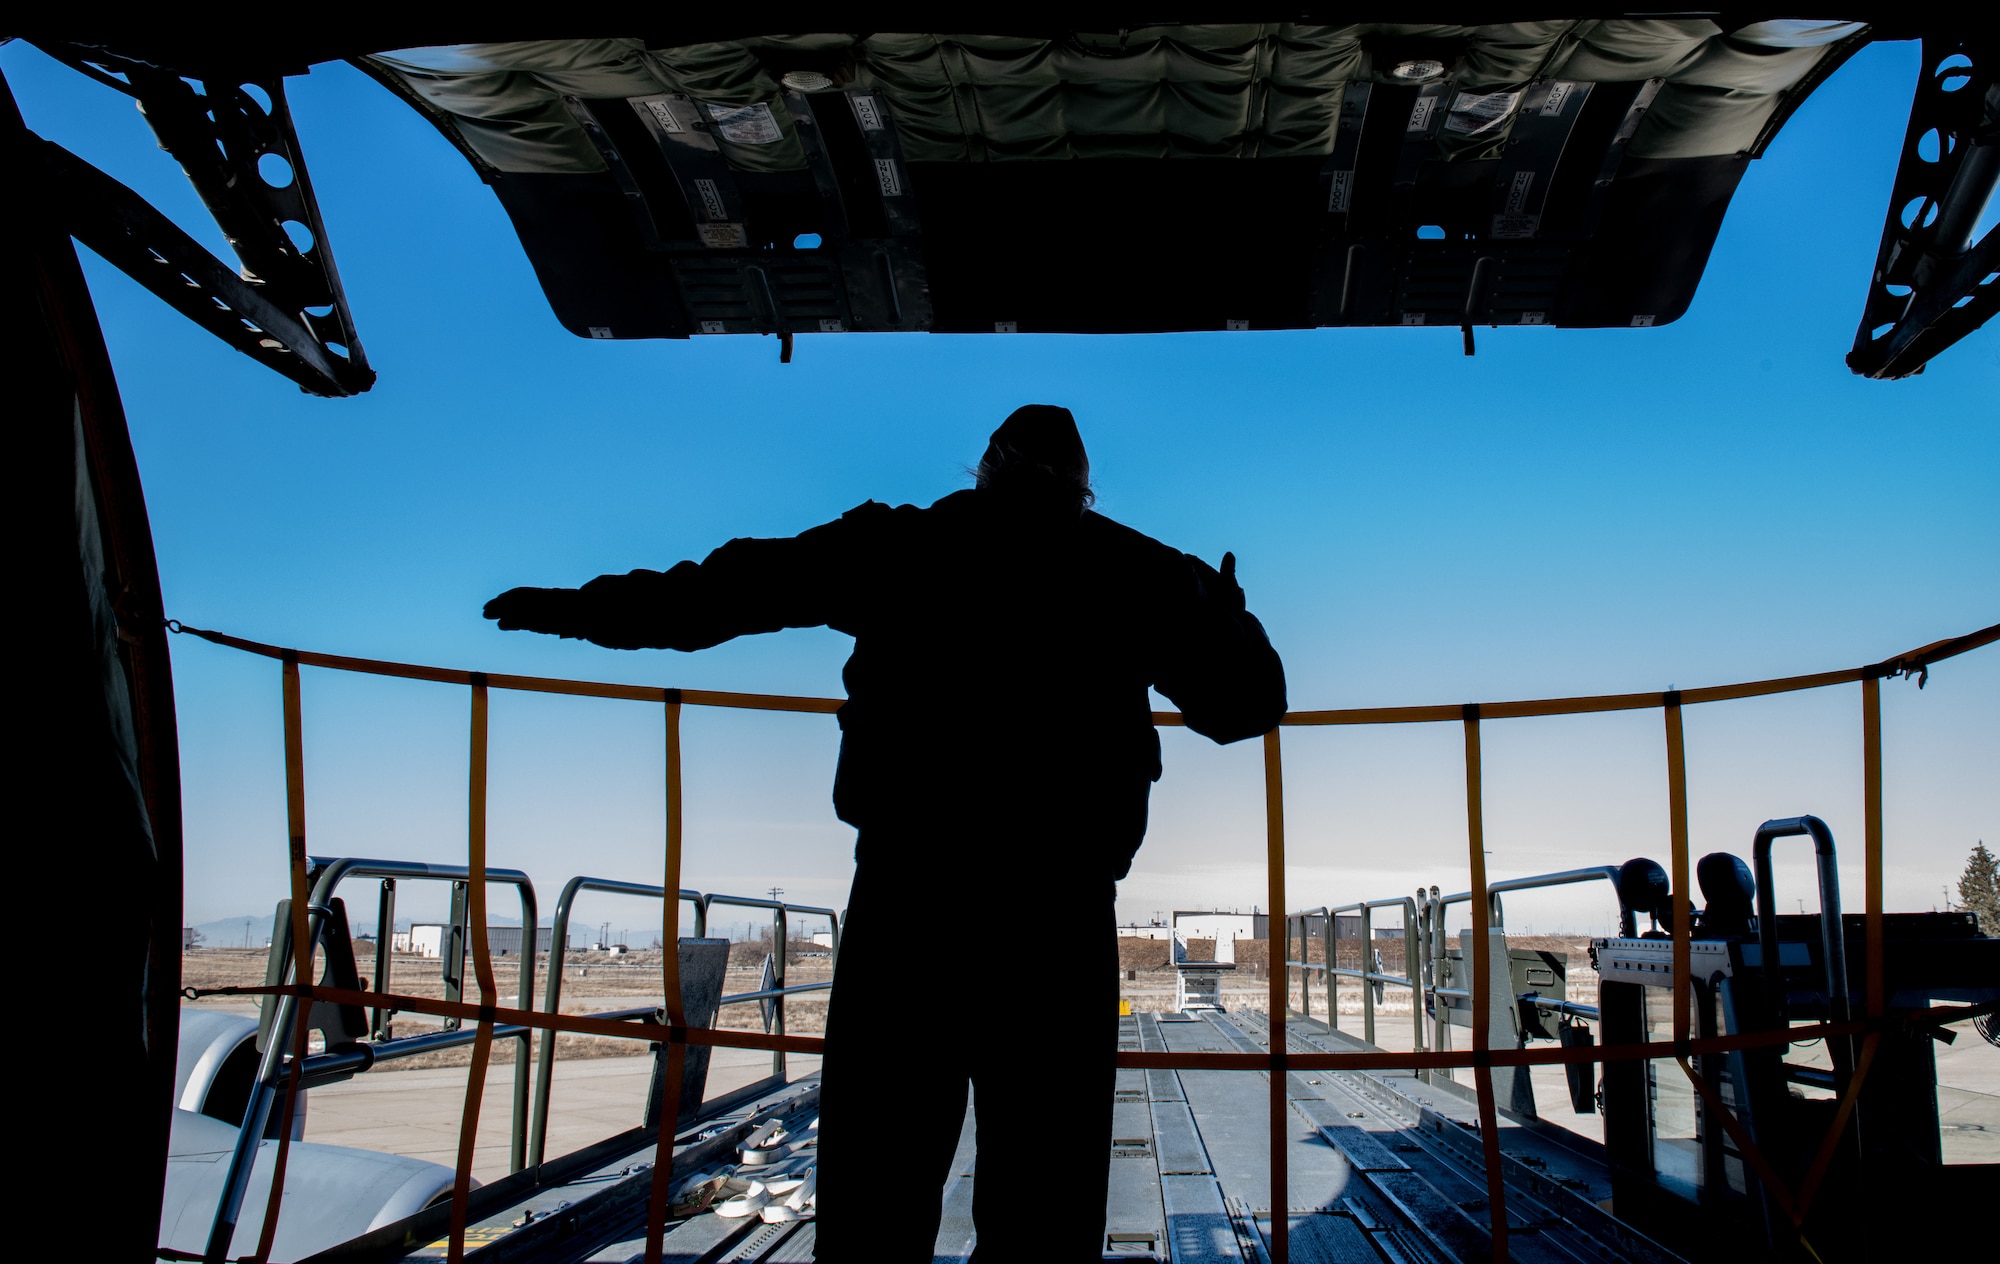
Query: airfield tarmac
column 417, row 1113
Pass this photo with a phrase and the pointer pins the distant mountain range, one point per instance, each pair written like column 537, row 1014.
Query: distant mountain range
column 230, row 932
column 255, row 930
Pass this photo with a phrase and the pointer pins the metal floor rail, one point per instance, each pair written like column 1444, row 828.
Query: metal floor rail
column 1385, row 1169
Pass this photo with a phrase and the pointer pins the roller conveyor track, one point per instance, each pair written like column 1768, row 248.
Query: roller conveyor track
column 598, row 1215
column 1384, row 1169
column 1417, row 1182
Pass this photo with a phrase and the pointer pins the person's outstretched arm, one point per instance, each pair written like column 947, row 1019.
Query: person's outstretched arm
column 1220, row 669
column 743, row 587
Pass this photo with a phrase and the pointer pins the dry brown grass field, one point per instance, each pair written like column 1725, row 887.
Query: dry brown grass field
column 591, row 982
column 1248, row 987
column 602, row 981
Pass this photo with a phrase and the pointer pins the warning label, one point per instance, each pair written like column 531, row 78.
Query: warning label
column 1421, row 112
column 1477, row 113
column 747, row 124
column 1342, row 193
column 712, row 206
column 723, row 236
column 1517, row 191
column 887, row 176
column 662, row 113
column 867, row 112
column 1559, row 95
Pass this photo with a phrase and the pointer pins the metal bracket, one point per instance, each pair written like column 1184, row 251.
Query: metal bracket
column 806, row 124
column 1338, row 175
column 235, row 140
column 621, row 171
column 1420, row 132
column 139, row 241
column 1614, row 154
column 1548, row 116
column 682, row 130
column 1932, row 284
column 1340, row 261
column 899, row 259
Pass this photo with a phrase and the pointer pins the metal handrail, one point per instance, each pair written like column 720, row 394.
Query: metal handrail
column 552, row 1002
column 1302, row 917
column 328, row 873
column 349, row 1061
column 1369, row 978
column 1833, row 936
column 1436, row 951
column 1571, row 1009
column 779, row 938
column 1565, row 877
column 744, row 998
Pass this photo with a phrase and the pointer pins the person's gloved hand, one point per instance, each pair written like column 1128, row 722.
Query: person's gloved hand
column 557, row 611
column 1219, row 586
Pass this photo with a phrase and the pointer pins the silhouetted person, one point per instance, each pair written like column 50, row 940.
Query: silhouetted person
column 997, row 752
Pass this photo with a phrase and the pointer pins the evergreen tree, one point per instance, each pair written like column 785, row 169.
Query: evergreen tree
column 1979, row 889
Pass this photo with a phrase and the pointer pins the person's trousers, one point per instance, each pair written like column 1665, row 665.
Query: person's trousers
column 938, row 987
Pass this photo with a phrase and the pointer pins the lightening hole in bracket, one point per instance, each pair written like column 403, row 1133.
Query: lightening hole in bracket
column 1953, row 73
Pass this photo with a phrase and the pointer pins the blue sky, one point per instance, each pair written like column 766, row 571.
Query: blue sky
column 1567, row 512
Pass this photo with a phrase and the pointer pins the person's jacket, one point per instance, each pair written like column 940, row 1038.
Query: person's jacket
column 1003, row 651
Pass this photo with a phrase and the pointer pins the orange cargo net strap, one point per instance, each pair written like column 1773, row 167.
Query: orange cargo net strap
column 1871, row 816
column 482, row 965
column 1681, row 899
column 1482, row 988
column 1280, row 1100
column 1745, row 1145
column 653, row 1031
column 302, row 949
column 670, row 985
column 1915, row 663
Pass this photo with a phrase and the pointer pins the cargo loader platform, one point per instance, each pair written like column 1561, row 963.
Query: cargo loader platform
column 1385, row 1169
